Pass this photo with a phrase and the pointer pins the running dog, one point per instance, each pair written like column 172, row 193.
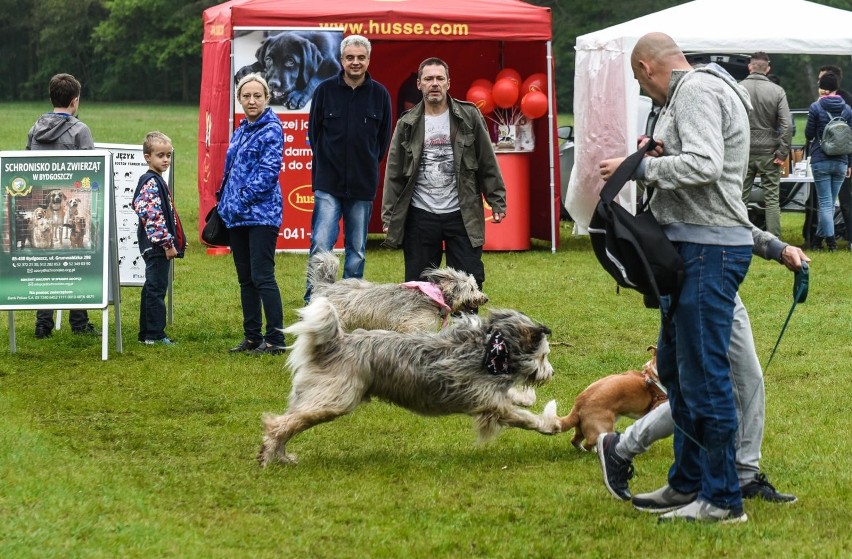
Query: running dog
column 631, row 394
column 466, row 369
column 407, row 307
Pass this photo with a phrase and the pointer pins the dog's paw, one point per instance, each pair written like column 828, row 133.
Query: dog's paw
column 550, row 424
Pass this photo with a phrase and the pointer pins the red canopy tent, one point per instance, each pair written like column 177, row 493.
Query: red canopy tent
column 477, row 38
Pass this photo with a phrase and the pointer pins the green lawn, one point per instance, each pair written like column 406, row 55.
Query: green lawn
column 152, row 453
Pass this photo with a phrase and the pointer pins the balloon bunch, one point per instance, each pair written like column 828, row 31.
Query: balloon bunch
column 508, row 97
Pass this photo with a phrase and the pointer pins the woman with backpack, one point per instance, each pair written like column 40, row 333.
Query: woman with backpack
column 831, row 156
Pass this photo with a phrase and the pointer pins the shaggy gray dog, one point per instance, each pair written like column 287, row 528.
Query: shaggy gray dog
column 392, row 306
column 467, row 369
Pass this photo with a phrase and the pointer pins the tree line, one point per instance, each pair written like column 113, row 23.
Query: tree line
column 150, row 50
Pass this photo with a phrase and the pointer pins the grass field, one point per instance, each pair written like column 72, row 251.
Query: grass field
column 152, row 453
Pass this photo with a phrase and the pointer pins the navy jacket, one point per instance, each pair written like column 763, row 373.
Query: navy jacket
column 820, row 113
column 159, row 225
column 349, row 131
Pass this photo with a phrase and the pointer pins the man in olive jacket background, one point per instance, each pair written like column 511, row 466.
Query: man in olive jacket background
column 440, row 165
column 769, row 122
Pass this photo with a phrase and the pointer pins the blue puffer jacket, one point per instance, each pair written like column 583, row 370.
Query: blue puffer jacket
column 252, row 195
column 819, row 114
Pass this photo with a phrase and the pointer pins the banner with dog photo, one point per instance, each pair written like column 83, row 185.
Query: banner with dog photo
column 293, row 61
column 54, row 219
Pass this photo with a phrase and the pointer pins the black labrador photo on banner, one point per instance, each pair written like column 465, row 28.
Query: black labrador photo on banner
column 294, row 63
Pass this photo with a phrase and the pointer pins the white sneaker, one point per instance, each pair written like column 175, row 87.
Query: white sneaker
column 702, row 511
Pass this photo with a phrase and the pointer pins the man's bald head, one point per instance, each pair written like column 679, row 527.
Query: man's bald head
column 657, row 47
column 653, row 59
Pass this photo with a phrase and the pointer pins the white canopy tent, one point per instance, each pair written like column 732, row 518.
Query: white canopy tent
column 606, row 95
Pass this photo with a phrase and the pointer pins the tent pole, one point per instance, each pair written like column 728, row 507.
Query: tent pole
column 550, row 145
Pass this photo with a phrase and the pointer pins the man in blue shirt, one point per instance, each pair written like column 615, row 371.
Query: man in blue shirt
column 349, row 129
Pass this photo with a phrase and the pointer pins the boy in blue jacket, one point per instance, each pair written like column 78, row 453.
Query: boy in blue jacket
column 160, row 235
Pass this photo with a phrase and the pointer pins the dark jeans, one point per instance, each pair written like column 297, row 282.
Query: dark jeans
column 152, row 307
column 253, row 249
column 426, row 235
column 78, row 319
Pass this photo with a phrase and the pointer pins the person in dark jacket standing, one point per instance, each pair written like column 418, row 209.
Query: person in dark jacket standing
column 769, row 121
column 845, row 194
column 440, row 165
column 251, row 206
column 349, row 130
column 56, row 130
column 160, row 235
column 829, row 171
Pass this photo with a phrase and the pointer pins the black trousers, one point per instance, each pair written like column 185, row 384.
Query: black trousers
column 76, row 317
column 428, row 234
column 845, row 199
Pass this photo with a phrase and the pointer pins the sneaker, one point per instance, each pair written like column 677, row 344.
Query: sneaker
column 701, row 511
column 760, row 488
column 663, row 499
column 268, row 349
column 245, row 345
column 617, row 471
column 89, row 329
column 43, row 332
column 161, row 341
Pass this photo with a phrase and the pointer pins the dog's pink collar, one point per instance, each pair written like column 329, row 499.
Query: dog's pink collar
column 433, row 292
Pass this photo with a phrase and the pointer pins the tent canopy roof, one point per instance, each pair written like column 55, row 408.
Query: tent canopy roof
column 507, row 20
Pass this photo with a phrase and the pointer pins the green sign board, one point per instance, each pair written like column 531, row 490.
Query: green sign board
column 54, row 223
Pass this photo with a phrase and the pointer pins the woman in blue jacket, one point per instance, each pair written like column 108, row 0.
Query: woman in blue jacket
column 251, row 207
column 829, row 171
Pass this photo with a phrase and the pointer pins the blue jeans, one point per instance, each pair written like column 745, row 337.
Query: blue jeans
column 693, row 365
column 828, row 178
column 152, row 306
column 253, row 249
column 325, row 228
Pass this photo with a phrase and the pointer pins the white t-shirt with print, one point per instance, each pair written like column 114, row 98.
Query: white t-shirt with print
column 435, row 187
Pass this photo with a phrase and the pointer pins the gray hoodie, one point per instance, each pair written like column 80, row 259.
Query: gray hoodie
column 59, row 131
column 704, row 128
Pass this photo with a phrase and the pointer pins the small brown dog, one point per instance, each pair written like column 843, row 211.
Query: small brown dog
column 598, row 407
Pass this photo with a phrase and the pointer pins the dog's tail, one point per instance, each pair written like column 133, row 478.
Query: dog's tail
column 323, row 268
column 318, row 326
column 569, row 421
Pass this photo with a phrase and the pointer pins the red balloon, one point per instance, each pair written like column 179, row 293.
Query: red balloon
column 534, row 104
column 487, row 84
column 481, row 97
column 510, row 73
column 505, row 93
column 535, row 82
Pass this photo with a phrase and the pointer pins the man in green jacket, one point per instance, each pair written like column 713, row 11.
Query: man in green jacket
column 440, row 165
column 769, row 122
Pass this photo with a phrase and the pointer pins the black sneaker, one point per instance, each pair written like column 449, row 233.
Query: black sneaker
column 88, row 329
column 760, row 488
column 43, row 332
column 245, row 345
column 268, row 349
column 617, row 471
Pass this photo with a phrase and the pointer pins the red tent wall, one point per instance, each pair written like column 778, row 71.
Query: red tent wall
column 482, row 36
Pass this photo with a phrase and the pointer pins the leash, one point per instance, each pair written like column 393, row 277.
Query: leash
column 800, row 294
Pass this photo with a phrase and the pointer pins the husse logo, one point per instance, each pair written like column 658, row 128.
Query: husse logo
column 302, row 198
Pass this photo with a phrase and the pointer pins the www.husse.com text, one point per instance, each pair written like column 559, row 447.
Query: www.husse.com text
column 372, row 27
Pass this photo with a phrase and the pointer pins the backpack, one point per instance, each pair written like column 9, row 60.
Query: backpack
column 633, row 249
column 836, row 137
